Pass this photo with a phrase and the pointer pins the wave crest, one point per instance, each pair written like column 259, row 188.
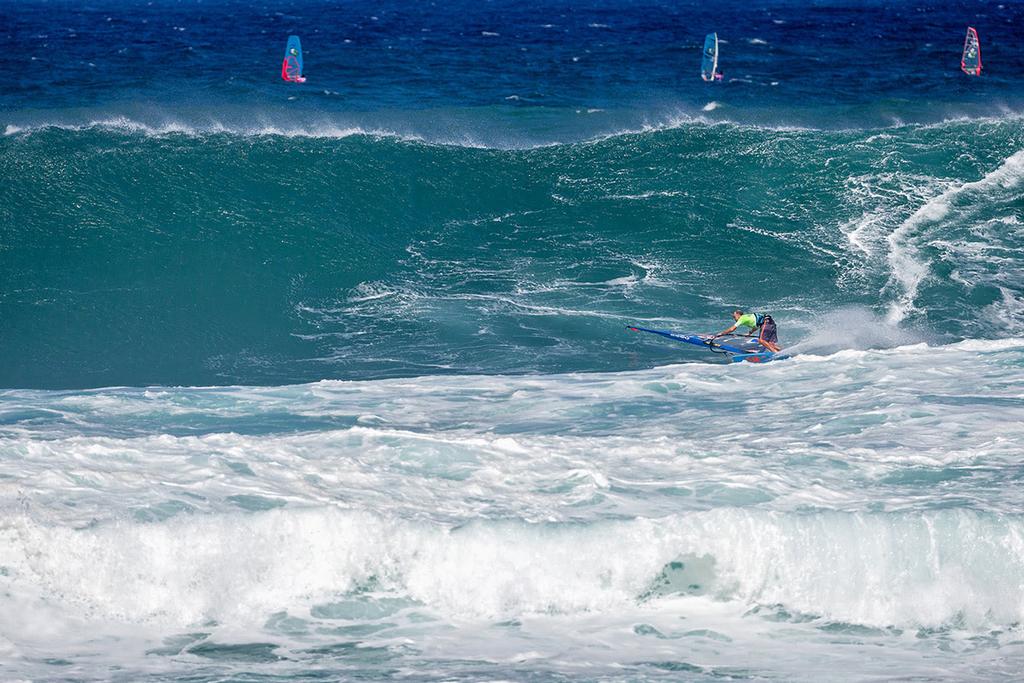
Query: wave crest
column 881, row 570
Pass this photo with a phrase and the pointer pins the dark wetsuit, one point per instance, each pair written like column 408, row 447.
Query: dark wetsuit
column 768, row 331
column 764, row 323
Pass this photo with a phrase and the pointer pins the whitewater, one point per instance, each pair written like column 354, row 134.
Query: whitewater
column 334, row 381
column 622, row 524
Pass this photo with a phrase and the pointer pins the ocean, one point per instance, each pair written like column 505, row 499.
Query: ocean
column 332, row 381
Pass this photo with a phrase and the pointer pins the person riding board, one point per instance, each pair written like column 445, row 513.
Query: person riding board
column 768, row 336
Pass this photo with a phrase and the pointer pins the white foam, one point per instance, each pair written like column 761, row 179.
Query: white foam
column 327, row 129
column 882, row 196
column 908, row 269
column 917, row 570
column 503, row 516
column 420, row 456
column 989, row 345
column 330, row 130
column 650, row 194
column 131, row 126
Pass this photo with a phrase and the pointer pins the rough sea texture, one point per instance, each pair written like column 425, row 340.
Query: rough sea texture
column 331, row 381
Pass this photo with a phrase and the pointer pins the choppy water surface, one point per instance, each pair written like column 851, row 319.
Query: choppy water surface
column 332, row 381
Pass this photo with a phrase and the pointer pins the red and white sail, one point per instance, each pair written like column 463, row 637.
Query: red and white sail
column 970, row 61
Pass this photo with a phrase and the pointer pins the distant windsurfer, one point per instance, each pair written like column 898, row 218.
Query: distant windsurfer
column 970, row 61
column 291, row 68
column 768, row 336
column 709, row 60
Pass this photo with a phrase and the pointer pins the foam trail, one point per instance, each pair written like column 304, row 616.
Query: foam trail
column 908, row 268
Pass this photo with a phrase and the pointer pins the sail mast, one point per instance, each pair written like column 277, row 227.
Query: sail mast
column 709, row 62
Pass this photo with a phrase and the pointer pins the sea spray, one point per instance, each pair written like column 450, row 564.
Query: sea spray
column 851, row 327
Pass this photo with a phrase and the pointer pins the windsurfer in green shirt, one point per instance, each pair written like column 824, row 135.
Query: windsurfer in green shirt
column 767, row 334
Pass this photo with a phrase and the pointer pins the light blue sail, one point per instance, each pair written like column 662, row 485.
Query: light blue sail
column 709, row 63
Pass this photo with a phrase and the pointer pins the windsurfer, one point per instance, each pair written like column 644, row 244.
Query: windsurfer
column 768, row 336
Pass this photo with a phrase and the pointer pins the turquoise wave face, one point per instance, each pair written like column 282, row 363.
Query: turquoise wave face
column 141, row 257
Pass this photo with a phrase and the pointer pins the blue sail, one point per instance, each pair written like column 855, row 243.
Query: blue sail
column 709, row 63
column 736, row 348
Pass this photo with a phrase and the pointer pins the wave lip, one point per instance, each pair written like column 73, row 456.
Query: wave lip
column 469, row 130
column 127, row 125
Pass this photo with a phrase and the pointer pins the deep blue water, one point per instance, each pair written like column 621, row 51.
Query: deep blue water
column 818, row 63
